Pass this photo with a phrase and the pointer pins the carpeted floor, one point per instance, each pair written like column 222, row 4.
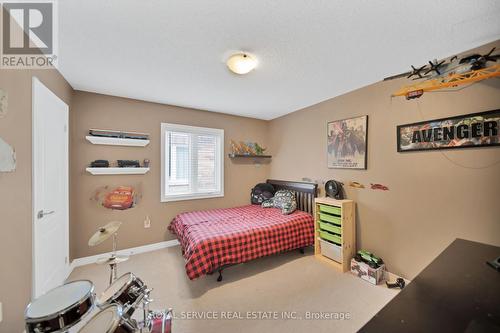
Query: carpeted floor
column 287, row 285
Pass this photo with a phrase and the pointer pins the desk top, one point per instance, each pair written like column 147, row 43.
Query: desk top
column 457, row 292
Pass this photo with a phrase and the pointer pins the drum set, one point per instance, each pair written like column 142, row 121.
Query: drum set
column 74, row 306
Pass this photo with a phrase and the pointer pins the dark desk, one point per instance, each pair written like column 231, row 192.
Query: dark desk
column 457, row 292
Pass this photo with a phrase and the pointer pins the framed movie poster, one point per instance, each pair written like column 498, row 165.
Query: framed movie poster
column 467, row 131
column 347, row 143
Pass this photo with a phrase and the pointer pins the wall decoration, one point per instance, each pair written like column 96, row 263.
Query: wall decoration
column 249, row 147
column 3, row 103
column 235, row 148
column 246, row 148
column 347, row 143
column 117, row 197
column 379, row 187
column 259, row 150
column 467, row 131
column 356, row 184
column 7, row 157
column 449, row 73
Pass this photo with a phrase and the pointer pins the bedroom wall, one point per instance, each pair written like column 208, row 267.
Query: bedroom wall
column 15, row 192
column 100, row 111
column 434, row 197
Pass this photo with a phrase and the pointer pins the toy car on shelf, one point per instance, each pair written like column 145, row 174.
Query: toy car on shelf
column 369, row 258
column 120, row 198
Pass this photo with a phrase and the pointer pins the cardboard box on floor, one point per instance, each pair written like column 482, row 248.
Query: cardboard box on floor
column 364, row 271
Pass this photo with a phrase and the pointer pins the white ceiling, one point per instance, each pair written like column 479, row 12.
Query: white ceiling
column 174, row 51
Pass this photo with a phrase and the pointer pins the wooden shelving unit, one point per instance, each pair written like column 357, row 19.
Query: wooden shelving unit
column 117, row 171
column 101, row 140
column 334, row 228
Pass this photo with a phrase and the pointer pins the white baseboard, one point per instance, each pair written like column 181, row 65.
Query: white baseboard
column 135, row 250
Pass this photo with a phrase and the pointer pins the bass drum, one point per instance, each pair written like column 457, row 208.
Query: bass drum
column 109, row 320
column 60, row 308
column 127, row 290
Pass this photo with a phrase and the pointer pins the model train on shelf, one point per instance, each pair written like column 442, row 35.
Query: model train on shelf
column 118, row 134
column 449, row 73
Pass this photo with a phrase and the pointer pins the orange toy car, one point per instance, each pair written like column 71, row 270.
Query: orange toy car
column 120, row 198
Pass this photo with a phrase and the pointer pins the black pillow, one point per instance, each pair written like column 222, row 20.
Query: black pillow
column 261, row 192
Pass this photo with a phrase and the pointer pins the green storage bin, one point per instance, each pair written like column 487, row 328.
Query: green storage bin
column 330, row 218
column 330, row 227
column 330, row 209
column 330, row 237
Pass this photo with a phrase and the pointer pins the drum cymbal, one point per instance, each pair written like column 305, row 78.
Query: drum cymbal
column 112, row 260
column 104, row 233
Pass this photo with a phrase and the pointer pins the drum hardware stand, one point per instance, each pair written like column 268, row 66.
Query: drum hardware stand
column 112, row 265
column 113, row 261
column 102, row 234
column 147, row 324
column 146, row 312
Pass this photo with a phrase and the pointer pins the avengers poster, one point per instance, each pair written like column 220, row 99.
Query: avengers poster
column 467, row 131
column 347, row 143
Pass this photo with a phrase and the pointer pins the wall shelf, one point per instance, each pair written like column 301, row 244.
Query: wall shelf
column 117, row 171
column 248, row 156
column 102, row 140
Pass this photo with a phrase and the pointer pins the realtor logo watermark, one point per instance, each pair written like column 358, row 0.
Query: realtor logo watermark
column 28, row 34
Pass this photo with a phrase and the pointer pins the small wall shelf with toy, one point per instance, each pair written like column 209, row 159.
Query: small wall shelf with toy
column 122, row 167
column 334, row 231
column 96, row 140
column 117, row 171
column 117, row 138
column 250, row 156
column 247, row 150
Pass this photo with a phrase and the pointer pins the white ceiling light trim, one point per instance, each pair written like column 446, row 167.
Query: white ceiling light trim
column 241, row 63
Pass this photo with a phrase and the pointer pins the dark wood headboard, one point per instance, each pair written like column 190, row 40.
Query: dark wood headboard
column 304, row 192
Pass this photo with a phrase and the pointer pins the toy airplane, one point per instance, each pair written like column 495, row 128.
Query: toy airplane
column 449, row 73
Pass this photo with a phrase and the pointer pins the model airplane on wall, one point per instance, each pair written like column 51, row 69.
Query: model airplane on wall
column 449, row 73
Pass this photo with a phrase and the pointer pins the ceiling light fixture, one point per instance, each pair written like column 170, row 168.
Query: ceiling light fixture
column 241, row 63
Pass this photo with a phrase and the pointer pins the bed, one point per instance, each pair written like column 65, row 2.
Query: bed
column 212, row 240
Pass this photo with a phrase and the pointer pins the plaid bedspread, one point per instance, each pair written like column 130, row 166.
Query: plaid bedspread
column 213, row 238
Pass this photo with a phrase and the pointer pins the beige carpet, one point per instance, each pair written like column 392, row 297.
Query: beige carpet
column 289, row 284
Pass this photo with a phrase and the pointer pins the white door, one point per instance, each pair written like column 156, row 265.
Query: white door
column 50, row 190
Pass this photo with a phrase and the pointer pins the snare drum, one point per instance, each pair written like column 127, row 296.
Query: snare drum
column 109, row 320
column 60, row 308
column 160, row 322
column 127, row 291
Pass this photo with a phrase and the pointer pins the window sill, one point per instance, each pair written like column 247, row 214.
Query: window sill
column 192, row 197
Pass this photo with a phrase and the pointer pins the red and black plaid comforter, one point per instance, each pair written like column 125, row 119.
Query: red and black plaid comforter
column 213, row 238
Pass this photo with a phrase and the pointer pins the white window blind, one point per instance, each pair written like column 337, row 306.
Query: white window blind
column 192, row 162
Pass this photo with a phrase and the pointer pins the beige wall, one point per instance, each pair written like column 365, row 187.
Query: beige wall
column 100, row 111
column 434, row 197
column 15, row 192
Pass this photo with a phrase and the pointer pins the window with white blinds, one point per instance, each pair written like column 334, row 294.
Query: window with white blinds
column 192, row 162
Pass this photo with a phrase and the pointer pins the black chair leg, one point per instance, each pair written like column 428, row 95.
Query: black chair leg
column 301, row 250
column 219, row 279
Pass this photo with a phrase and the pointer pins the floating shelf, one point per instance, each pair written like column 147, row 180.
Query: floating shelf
column 102, row 140
column 248, row 156
column 117, row 171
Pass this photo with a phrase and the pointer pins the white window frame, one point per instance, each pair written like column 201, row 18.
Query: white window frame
column 185, row 128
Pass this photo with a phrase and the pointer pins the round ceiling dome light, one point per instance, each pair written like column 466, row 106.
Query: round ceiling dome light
column 241, row 63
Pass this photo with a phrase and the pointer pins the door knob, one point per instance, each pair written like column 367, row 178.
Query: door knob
column 42, row 213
